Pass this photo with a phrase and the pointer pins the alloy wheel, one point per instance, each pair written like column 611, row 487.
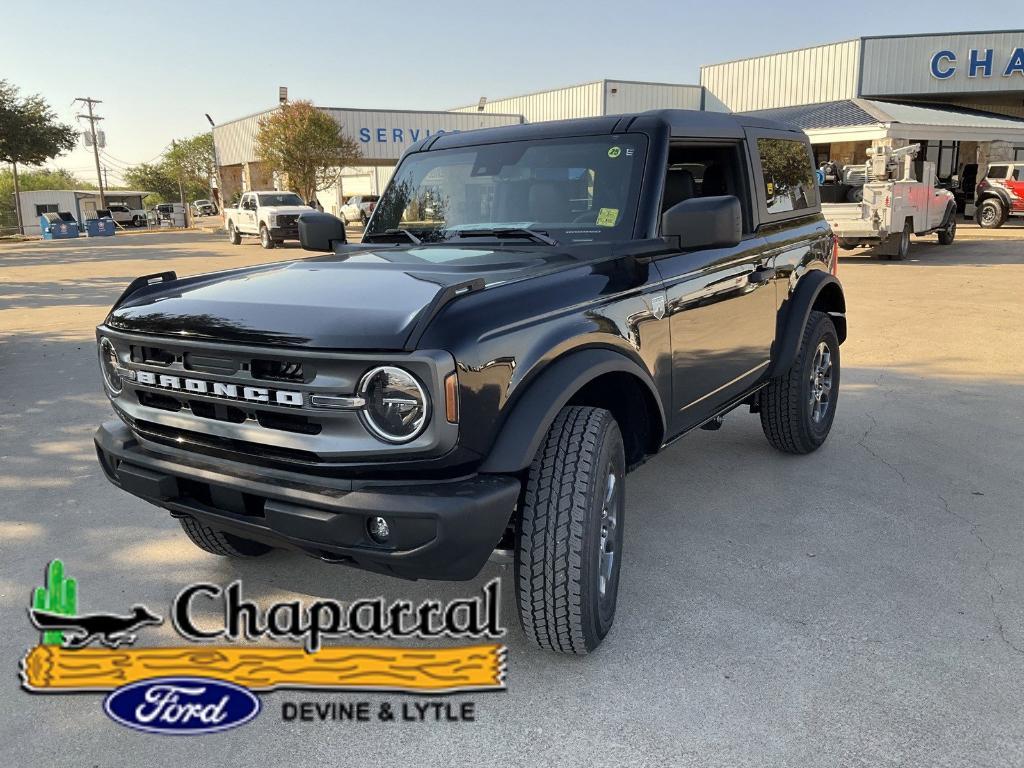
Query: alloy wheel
column 821, row 383
column 609, row 523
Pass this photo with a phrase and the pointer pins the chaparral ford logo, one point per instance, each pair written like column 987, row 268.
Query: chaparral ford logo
column 202, row 688
column 218, row 389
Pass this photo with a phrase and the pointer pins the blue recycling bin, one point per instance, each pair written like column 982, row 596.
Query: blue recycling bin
column 99, row 227
column 58, row 226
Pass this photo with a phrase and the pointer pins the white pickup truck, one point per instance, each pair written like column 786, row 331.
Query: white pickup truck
column 271, row 216
column 894, row 206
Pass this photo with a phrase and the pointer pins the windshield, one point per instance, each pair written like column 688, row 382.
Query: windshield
column 574, row 190
column 281, row 198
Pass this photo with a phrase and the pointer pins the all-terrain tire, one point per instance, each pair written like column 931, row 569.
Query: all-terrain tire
column 789, row 416
column 265, row 239
column 903, row 244
column 220, row 542
column 570, row 521
column 990, row 214
column 948, row 233
column 234, row 237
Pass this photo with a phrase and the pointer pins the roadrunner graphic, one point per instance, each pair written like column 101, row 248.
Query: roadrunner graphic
column 109, row 629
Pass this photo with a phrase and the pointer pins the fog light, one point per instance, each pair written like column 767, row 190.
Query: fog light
column 379, row 529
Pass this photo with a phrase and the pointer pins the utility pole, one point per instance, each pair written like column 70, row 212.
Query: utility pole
column 92, row 118
column 181, row 188
column 17, row 200
column 219, row 197
column 106, row 180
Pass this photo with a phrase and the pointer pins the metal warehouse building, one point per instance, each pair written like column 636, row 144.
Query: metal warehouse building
column 960, row 95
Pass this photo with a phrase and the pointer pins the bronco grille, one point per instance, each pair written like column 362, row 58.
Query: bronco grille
column 258, row 401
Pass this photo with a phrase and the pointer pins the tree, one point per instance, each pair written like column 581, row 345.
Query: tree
column 30, row 133
column 191, row 162
column 155, row 178
column 306, row 144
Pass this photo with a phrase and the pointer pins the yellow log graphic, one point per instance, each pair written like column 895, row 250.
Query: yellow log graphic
column 50, row 668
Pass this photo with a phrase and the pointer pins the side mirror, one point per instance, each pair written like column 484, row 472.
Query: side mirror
column 320, row 231
column 704, row 222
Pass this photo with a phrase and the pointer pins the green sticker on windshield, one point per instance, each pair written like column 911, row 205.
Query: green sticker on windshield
column 606, row 217
column 614, row 152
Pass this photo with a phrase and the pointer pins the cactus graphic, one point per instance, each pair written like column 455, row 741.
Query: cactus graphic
column 60, row 595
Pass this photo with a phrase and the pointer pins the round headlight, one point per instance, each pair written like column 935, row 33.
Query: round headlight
column 109, row 365
column 397, row 407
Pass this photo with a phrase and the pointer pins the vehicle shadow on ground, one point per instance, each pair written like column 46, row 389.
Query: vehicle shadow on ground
column 930, row 253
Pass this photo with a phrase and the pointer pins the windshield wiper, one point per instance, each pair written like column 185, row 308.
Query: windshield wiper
column 500, row 232
column 391, row 233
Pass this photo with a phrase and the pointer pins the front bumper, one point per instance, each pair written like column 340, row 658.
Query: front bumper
column 285, row 233
column 439, row 530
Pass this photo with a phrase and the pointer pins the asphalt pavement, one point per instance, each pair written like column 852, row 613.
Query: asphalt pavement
column 861, row 606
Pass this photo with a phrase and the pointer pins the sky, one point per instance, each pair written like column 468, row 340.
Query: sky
column 158, row 67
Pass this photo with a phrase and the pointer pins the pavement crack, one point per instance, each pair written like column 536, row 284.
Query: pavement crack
column 862, row 442
column 974, row 528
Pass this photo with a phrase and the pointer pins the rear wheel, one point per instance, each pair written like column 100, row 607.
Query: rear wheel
column 265, row 239
column 218, row 542
column 233, row 237
column 903, row 244
column 569, row 532
column 138, row 221
column 991, row 214
column 797, row 407
column 948, row 233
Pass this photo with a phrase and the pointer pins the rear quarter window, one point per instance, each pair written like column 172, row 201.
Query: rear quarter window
column 789, row 183
column 998, row 171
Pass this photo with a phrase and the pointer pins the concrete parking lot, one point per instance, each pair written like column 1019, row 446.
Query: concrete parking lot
column 858, row 607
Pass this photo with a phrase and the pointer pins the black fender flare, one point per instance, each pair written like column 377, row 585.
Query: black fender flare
column 997, row 193
column 536, row 408
column 950, row 214
column 796, row 311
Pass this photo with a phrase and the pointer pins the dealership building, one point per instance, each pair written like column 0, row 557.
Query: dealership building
column 960, row 95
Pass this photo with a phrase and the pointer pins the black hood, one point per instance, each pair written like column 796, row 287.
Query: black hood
column 370, row 300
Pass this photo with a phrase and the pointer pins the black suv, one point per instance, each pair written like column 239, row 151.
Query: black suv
column 533, row 311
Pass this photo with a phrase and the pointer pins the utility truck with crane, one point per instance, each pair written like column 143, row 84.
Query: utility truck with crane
column 889, row 204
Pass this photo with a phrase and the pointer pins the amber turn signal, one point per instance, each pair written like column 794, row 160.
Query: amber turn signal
column 451, row 398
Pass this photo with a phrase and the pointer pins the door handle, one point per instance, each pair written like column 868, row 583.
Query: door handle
column 761, row 275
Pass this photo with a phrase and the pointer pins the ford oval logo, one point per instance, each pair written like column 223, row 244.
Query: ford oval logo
column 182, row 705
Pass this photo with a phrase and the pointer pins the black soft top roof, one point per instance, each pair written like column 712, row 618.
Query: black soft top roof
column 680, row 122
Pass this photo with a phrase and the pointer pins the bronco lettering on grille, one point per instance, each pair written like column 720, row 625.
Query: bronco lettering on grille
column 218, row 389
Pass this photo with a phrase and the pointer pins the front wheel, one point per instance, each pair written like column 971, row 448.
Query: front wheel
column 990, row 214
column 948, row 233
column 569, row 532
column 138, row 221
column 265, row 239
column 797, row 407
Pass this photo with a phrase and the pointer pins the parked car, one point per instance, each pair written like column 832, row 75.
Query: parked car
column 479, row 379
column 1000, row 195
column 204, row 208
column 271, row 215
column 126, row 216
column 358, row 208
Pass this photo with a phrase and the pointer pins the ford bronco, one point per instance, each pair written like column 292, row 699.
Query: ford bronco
column 533, row 311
